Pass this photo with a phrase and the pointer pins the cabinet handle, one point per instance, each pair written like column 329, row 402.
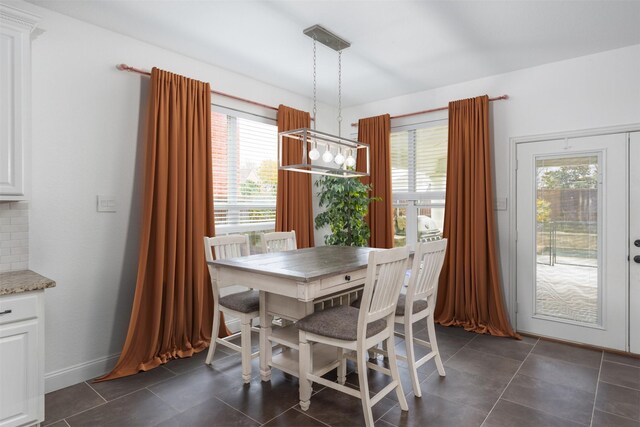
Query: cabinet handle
column 347, row 278
column 5, row 312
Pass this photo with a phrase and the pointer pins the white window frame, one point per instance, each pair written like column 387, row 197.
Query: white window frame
column 413, row 200
column 266, row 117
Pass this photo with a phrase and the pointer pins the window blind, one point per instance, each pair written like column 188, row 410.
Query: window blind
column 419, row 163
column 244, row 172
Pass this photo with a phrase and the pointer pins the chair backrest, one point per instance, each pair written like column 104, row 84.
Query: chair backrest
column 385, row 277
column 425, row 271
column 224, row 247
column 279, row 241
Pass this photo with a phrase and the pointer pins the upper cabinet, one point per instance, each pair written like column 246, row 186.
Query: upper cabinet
column 15, row 102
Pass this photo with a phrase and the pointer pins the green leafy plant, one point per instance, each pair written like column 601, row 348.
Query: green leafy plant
column 347, row 203
column 543, row 210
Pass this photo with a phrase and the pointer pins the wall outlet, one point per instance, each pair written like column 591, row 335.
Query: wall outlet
column 500, row 204
column 106, row 204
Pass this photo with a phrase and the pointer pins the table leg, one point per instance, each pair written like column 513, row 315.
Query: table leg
column 265, row 344
column 305, row 366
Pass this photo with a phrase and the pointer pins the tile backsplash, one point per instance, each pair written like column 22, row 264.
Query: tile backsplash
column 14, row 236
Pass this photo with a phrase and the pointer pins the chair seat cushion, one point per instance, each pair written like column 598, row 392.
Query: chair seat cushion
column 418, row 305
column 402, row 302
column 339, row 322
column 244, row 302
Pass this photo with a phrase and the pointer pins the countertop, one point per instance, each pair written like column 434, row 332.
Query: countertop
column 14, row 282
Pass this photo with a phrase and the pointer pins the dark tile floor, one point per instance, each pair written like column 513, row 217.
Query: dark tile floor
column 490, row 382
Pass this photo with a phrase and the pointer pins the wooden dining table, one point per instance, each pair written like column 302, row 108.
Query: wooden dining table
column 291, row 285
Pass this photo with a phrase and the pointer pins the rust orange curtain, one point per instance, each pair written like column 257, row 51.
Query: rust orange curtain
column 469, row 292
column 294, row 203
column 376, row 131
column 172, row 307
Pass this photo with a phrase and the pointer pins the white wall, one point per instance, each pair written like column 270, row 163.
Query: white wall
column 87, row 121
column 588, row 92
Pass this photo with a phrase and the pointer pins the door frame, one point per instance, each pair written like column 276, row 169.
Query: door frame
column 513, row 141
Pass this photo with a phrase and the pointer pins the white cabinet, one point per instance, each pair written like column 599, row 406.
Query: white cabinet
column 22, row 359
column 15, row 101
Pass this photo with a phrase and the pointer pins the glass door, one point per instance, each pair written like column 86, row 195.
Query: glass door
column 571, row 239
column 634, row 241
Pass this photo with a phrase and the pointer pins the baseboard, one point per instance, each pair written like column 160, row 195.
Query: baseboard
column 78, row 373
column 75, row 374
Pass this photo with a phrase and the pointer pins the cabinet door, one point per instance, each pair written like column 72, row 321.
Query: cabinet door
column 15, row 101
column 19, row 391
column 12, row 113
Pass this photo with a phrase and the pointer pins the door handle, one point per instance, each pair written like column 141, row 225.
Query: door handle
column 636, row 259
column 5, row 312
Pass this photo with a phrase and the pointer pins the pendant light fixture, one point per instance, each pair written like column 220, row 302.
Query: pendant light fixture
column 339, row 154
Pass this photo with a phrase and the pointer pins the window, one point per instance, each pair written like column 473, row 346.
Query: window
column 245, row 174
column 418, row 181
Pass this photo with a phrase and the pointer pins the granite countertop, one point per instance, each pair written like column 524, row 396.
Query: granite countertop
column 14, row 282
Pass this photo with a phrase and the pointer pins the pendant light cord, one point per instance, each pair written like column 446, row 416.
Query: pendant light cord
column 315, row 108
column 340, row 93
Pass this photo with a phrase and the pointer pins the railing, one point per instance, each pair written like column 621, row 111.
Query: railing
column 579, row 234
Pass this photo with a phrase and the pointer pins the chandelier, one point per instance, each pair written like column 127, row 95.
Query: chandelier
column 339, row 154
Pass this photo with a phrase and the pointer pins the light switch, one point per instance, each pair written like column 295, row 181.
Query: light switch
column 500, row 204
column 106, row 204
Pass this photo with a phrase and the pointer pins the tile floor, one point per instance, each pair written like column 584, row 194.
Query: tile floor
column 490, row 382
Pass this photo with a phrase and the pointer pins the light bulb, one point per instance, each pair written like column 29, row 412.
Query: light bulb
column 314, row 154
column 327, row 157
column 350, row 162
column 339, row 159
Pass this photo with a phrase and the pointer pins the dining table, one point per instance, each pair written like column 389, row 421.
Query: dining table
column 292, row 285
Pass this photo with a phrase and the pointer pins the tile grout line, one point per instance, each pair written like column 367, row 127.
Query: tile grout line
column 83, row 411
column 619, row 416
column 620, row 385
column 543, row 411
column 548, row 413
column 235, row 409
column 304, row 413
column 450, row 357
column 620, row 363
column 429, row 376
column 509, row 383
column 270, row 419
column 132, row 392
column 595, row 395
column 565, row 361
column 524, row 405
column 168, row 403
column 95, row 391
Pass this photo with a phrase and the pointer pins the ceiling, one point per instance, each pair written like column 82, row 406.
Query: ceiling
column 397, row 47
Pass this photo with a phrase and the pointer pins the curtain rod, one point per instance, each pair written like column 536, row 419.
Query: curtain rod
column 433, row 110
column 125, row 67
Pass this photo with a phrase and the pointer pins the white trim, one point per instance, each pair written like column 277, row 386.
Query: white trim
column 86, row 371
column 78, row 373
column 244, row 228
column 19, row 17
column 513, row 233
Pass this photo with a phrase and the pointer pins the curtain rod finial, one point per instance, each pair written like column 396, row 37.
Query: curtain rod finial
column 122, row 67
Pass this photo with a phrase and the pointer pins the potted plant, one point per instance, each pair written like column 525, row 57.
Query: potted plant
column 347, row 202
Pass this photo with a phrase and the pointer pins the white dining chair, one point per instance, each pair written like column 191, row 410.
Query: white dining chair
column 244, row 305
column 356, row 330
column 419, row 303
column 279, row 241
